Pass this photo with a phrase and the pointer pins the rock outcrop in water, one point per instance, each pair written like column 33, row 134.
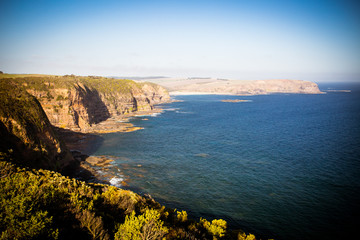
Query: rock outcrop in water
column 79, row 103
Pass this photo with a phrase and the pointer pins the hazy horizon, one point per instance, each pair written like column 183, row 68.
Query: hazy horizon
column 244, row 40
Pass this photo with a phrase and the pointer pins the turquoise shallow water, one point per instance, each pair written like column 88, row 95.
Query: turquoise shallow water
column 280, row 166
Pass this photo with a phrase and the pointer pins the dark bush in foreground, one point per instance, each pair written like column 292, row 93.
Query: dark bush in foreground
column 42, row 204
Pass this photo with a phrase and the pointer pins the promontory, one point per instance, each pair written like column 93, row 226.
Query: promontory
column 194, row 86
column 90, row 104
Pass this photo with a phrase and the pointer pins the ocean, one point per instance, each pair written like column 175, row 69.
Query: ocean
column 283, row 166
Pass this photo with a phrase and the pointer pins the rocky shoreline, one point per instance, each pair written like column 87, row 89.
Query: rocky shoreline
column 94, row 168
column 97, row 169
column 120, row 123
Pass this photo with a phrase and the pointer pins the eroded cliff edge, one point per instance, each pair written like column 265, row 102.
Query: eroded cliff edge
column 81, row 103
column 27, row 136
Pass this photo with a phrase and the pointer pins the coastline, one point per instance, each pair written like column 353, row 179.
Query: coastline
column 98, row 168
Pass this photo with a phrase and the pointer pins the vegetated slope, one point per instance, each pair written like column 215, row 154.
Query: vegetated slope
column 78, row 103
column 41, row 204
column 26, row 133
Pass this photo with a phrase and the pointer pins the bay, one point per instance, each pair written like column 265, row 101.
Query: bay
column 280, row 166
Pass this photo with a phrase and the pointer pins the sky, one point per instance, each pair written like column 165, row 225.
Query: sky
column 316, row 40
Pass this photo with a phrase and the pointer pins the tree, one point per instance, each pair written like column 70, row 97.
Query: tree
column 93, row 224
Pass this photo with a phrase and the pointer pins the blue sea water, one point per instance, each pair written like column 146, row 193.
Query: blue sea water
column 280, row 166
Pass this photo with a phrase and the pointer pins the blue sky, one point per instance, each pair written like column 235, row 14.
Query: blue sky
column 314, row 40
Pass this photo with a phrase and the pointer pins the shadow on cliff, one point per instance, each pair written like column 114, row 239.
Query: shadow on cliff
column 85, row 143
column 91, row 101
column 81, row 146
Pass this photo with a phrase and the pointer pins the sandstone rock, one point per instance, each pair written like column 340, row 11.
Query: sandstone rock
column 81, row 103
column 26, row 133
column 100, row 161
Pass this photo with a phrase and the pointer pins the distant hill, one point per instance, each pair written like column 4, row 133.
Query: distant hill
column 185, row 86
column 138, row 78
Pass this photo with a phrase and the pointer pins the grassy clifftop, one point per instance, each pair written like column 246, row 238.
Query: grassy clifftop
column 17, row 104
column 47, row 82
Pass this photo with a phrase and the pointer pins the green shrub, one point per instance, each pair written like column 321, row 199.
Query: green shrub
column 49, row 96
column 217, row 227
column 59, row 98
column 21, row 207
column 182, row 216
column 145, row 226
column 120, row 200
column 243, row 236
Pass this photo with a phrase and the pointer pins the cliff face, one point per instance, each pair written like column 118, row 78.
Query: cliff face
column 30, row 105
column 78, row 103
column 26, row 133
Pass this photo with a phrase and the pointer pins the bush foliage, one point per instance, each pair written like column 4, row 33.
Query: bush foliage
column 42, row 204
column 145, row 226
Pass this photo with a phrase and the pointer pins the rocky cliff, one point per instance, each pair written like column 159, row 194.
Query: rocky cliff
column 26, row 135
column 79, row 103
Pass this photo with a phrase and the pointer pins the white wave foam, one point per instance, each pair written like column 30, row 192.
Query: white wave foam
column 155, row 114
column 149, row 115
column 116, row 181
column 184, row 112
column 171, row 109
